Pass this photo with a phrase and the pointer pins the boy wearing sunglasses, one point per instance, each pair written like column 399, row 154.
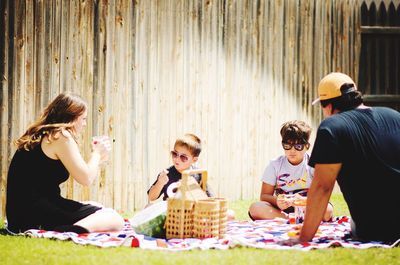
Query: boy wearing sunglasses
column 185, row 153
column 287, row 175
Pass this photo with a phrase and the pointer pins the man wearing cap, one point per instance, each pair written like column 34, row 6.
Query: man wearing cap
column 358, row 146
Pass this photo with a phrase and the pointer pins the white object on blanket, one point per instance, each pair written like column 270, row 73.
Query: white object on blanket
column 150, row 221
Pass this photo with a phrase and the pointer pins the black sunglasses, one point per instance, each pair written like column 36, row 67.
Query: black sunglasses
column 298, row 147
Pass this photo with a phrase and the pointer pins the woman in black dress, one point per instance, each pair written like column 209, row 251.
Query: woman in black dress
column 47, row 154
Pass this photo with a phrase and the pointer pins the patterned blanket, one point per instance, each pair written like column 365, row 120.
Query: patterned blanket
column 267, row 234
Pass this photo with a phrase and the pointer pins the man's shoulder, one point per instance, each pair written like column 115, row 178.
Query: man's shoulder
column 386, row 110
column 337, row 120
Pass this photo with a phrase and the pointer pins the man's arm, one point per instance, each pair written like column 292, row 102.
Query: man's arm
column 318, row 198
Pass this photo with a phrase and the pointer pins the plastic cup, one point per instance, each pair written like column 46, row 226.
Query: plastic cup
column 299, row 212
column 292, row 218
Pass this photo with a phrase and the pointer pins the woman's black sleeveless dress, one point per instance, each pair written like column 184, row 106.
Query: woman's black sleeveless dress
column 33, row 194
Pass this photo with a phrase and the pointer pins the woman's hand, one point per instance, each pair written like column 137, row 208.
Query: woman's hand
column 102, row 146
column 67, row 150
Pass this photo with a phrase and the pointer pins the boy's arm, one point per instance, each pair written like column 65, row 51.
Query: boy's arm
column 269, row 179
column 267, row 194
column 154, row 191
column 156, row 188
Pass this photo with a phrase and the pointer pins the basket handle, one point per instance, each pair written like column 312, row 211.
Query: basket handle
column 189, row 172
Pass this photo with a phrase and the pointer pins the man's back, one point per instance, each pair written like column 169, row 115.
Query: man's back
column 367, row 143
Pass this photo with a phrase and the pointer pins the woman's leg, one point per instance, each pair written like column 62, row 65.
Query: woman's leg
column 264, row 210
column 103, row 220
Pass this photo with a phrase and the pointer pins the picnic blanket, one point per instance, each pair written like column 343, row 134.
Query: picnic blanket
column 265, row 234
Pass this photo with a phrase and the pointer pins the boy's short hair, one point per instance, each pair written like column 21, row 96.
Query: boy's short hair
column 191, row 142
column 295, row 131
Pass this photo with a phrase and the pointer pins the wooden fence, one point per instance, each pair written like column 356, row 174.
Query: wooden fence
column 229, row 71
column 379, row 73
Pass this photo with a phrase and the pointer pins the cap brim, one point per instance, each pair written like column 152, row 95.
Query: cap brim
column 315, row 101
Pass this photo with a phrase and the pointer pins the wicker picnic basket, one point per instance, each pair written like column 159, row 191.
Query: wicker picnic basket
column 223, row 209
column 192, row 214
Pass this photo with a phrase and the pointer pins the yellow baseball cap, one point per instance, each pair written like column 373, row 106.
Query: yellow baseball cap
column 330, row 86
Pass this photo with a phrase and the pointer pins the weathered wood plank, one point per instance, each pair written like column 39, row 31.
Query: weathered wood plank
column 5, row 83
column 381, row 98
column 379, row 30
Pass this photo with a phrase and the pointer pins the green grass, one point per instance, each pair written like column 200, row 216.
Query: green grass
column 21, row 250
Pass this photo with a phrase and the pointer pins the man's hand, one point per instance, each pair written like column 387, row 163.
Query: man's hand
column 294, row 238
column 290, row 242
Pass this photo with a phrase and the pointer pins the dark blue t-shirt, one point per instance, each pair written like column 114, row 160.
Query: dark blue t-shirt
column 367, row 143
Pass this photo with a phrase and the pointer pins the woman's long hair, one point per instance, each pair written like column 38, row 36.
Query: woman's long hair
column 58, row 115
